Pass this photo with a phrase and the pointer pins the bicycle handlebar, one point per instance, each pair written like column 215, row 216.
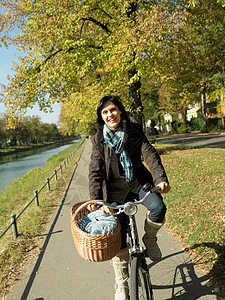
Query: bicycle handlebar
column 137, row 202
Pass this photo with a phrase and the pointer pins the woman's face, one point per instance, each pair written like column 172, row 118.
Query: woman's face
column 111, row 115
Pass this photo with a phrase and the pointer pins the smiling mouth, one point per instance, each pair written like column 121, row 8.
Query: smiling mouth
column 112, row 120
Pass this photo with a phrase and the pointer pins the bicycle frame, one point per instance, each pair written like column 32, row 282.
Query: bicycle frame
column 139, row 274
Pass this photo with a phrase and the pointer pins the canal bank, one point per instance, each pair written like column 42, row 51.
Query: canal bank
column 14, row 166
column 31, row 223
column 28, row 147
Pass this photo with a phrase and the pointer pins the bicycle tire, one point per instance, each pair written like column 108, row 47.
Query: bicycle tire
column 140, row 285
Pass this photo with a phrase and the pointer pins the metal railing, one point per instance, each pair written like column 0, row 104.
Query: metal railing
column 15, row 217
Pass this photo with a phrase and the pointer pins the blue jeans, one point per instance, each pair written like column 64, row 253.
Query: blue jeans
column 155, row 206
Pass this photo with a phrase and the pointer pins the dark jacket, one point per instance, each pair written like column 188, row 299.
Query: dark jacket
column 138, row 147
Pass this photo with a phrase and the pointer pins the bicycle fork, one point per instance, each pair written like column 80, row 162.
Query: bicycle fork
column 134, row 238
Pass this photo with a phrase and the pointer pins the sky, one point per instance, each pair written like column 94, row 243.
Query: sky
column 7, row 56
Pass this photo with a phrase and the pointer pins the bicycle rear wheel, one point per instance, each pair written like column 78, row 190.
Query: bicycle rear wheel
column 140, row 284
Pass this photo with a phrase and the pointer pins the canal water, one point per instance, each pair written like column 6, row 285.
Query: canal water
column 16, row 165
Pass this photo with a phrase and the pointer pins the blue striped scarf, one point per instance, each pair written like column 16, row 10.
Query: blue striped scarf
column 116, row 141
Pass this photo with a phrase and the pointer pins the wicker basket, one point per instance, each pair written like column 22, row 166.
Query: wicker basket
column 93, row 247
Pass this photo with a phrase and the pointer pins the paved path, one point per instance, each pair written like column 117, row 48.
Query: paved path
column 59, row 273
column 196, row 140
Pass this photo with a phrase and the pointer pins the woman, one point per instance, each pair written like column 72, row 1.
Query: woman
column 117, row 173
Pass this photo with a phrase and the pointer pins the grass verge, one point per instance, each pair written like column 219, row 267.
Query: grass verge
column 32, row 222
column 26, row 147
column 196, row 204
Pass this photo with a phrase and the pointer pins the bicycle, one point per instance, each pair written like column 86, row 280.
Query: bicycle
column 140, row 283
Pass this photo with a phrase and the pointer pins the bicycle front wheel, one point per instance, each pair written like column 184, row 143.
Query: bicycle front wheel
column 140, row 284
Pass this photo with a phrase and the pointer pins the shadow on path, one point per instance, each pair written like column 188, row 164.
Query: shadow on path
column 217, row 270
column 181, row 282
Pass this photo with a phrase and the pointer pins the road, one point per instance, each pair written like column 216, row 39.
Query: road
column 58, row 272
column 196, row 140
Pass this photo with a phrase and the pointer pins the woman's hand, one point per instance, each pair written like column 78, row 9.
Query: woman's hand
column 164, row 186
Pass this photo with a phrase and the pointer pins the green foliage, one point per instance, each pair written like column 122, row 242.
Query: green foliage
column 89, row 49
column 3, row 135
column 214, row 124
column 183, row 128
column 196, row 124
column 175, row 125
column 27, row 130
column 150, row 101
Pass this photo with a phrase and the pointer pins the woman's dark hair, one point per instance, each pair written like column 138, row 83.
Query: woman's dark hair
column 116, row 101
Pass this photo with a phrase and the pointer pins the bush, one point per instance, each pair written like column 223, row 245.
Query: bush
column 214, row 124
column 196, row 124
column 175, row 125
column 183, row 128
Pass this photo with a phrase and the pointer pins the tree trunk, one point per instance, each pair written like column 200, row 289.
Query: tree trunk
column 204, row 108
column 134, row 96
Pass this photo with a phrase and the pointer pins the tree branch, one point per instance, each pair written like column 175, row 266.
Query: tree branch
column 38, row 68
column 104, row 27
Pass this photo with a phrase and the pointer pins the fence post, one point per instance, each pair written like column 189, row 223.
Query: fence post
column 67, row 160
column 36, row 197
column 64, row 163
column 60, row 169
column 55, row 172
column 14, row 226
column 48, row 184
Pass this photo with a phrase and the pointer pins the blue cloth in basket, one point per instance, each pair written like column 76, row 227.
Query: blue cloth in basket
column 97, row 222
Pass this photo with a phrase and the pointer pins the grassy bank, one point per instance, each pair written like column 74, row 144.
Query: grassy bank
column 15, row 149
column 196, row 204
column 31, row 224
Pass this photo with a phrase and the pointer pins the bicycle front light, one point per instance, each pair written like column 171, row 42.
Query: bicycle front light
column 130, row 208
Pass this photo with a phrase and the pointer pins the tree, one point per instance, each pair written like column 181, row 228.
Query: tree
column 70, row 45
column 3, row 132
column 49, row 132
column 75, row 47
column 193, row 58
